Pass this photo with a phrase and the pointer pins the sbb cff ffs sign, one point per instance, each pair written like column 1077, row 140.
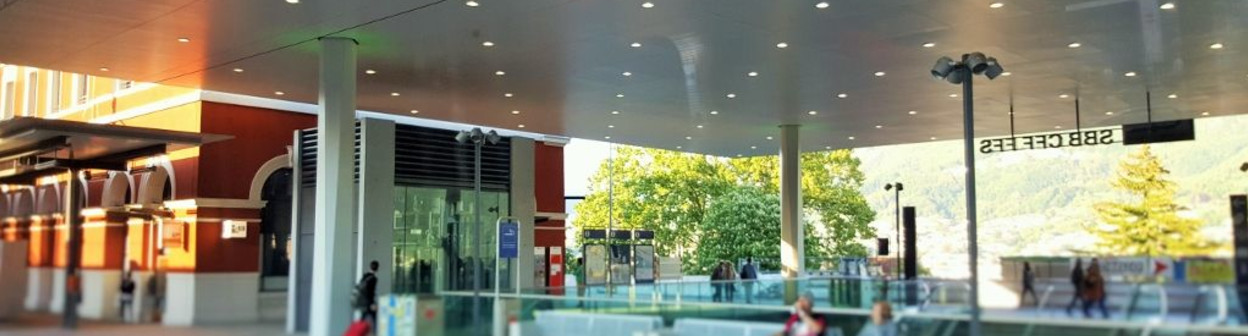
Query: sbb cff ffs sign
column 1046, row 141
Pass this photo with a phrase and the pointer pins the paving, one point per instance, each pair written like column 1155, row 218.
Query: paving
column 49, row 325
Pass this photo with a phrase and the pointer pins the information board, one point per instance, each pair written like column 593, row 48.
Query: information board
column 595, row 264
column 508, row 238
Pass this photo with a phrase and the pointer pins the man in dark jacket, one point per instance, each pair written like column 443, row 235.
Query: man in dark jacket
column 749, row 275
column 366, row 295
column 1076, row 279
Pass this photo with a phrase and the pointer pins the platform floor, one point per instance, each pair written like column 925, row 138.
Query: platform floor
column 31, row 325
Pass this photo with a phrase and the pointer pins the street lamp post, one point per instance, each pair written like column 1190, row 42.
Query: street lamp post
column 478, row 139
column 963, row 73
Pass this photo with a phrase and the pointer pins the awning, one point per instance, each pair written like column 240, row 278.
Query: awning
column 34, row 147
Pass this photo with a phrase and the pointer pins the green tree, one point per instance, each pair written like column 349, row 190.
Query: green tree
column 1148, row 224
column 742, row 223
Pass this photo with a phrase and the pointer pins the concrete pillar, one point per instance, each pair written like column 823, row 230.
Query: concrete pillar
column 335, row 151
column 376, row 210
column 524, row 207
column 792, row 253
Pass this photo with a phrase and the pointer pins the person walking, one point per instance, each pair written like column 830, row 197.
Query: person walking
column 365, row 298
column 127, row 297
column 749, row 275
column 1029, row 285
column 1076, row 280
column 730, row 281
column 717, row 276
column 1094, row 290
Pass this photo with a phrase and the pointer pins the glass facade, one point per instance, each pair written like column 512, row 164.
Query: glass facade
column 434, row 240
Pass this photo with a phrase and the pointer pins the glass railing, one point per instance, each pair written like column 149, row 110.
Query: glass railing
column 930, row 307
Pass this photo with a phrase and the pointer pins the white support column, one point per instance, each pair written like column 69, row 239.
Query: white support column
column 376, row 209
column 792, row 253
column 523, row 207
column 331, row 255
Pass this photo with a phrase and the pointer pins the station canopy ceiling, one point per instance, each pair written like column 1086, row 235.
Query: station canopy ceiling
column 707, row 76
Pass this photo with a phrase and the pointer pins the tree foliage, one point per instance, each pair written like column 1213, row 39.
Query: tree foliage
column 1148, row 224
column 674, row 193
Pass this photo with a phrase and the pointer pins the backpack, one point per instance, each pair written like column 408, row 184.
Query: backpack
column 357, row 293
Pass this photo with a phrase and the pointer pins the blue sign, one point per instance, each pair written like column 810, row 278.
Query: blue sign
column 508, row 239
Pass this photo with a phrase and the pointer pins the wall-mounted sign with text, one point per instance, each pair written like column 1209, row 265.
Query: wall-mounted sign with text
column 1048, row 140
column 233, row 229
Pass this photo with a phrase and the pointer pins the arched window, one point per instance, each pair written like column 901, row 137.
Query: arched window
column 275, row 222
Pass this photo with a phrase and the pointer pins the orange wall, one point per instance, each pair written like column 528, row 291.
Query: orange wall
column 215, row 254
column 227, row 167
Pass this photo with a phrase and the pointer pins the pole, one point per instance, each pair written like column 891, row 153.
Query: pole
column 476, row 233
column 968, row 139
column 897, row 232
column 73, row 276
column 610, row 210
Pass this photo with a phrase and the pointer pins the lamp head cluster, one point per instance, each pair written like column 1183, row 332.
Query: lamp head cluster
column 477, row 136
column 973, row 63
column 897, row 185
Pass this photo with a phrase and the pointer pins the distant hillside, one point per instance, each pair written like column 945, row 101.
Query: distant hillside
column 1037, row 202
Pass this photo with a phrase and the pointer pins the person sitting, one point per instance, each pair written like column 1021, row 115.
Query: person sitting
column 804, row 321
column 881, row 321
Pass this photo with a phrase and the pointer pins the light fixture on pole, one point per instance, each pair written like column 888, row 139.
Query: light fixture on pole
column 478, row 139
column 897, row 187
column 975, row 63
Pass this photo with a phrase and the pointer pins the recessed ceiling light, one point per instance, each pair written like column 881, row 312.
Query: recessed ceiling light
column 913, row 112
column 626, row 74
column 732, row 95
column 515, row 112
column 104, row 69
column 619, row 95
column 1073, row 45
column 782, row 45
column 842, row 95
column 292, row 1
column 1057, row 127
column 812, row 112
column 635, row 45
column 714, row 112
column 851, row 138
column 738, row 155
column 415, row 111
column 679, row 147
column 1204, row 113
column 487, row 44
column 996, row 5
column 615, row 112
column 699, row 126
column 752, row 74
column 1129, row 74
column 238, row 69
column 500, row 73
column 184, row 40
column 394, row 94
column 370, row 71
column 827, row 147
column 753, row 147
column 1007, row 73
column 472, row 4
column 520, row 125
column 1172, row 96
column 933, row 138
column 647, row 5
column 1063, row 96
column 1168, row 5
column 769, row 138
column 508, row 95
column 953, row 95
column 1215, row 46
column 822, row 5
column 610, row 126
column 688, row 138
column 1109, row 112
column 279, row 93
column 879, row 74
column 929, row 44
column 879, row 126
column 607, row 137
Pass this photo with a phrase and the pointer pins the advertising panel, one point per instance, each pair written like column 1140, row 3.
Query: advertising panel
column 595, row 264
column 621, row 265
column 1209, row 271
column 644, row 263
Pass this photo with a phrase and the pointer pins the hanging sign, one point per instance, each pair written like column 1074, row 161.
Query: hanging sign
column 1047, row 141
